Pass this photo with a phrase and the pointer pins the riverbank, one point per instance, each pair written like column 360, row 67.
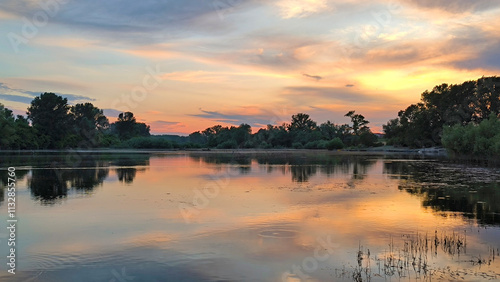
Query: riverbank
column 385, row 150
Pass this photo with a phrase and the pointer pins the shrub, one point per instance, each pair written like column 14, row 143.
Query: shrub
column 147, row 143
column 265, row 145
column 322, row 144
column 368, row 139
column 482, row 140
column 335, row 144
column 108, row 140
column 229, row 144
column 311, row 145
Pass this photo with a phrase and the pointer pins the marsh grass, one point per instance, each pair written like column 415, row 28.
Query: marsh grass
column 411, row 259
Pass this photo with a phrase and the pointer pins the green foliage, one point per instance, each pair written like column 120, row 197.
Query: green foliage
column 225, row 137
column 297, row 145
column 302, row 132
column 368, row 139
column 318, row 144
column 421, row 125
column 25, row 137
column 302, row 122
column 49, row 116
column 335, row 144
column 358, row 122
column 56, row 125
column 146, row 143
column 229, row 144
column 311, row 145
column 89, row 124
column 108, row 140
column 197, row 138
column 7, row 128
column 322, row 144
column 127, row 127
column 482, row 140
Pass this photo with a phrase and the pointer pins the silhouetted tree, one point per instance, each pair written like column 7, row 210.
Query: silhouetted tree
column 421, row 125
column 127, row 127
column 358, row 122
column 49, row 116
column 302, row 122
column 89, row 122
column 7, row 128
column 25, row 134
column 197, row 138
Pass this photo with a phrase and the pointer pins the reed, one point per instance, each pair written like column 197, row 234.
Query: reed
column 410, row 258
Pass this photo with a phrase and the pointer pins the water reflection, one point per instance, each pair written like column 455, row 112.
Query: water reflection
column 20, row 175
column 445, row 187
column 51, row 185
column 47, row 186
column 126, row 175
column 269, row 213
column 303, row 166
column 301, row 173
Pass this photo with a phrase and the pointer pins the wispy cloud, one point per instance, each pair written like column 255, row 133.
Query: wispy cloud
column 16, row 98
column 339, row 94
column 111, row 113
column 26, row 96
column 138, row 22
column 344, row 54
column 456, row 6
column 301, row 8
column 164, row 122
column 166, row 127
column 255, row 119
column 315, row 77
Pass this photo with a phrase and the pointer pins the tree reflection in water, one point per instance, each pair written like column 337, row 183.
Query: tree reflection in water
column 301, row 166
column 53, row 184
column 20, row 174
column 126, row 175
column 444, row 187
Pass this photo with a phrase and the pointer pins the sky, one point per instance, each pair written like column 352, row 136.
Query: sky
column 183, row 66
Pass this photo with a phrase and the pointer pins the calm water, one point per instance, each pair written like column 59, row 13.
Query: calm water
column 281, row 216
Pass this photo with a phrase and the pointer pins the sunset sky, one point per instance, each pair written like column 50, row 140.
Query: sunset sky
column 183, row 66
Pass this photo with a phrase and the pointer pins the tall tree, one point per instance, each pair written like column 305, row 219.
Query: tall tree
column 7, row 128
column 127, row 127
column 241, row 134
column 25, row 134
column 302, row 122
column 49, row 116
column 358, row 122
column 89, row 122
column 421, row 125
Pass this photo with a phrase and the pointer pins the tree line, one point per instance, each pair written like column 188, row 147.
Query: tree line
column 422, row 124
column 301, row 133
column 52, row 123
column 461, row 117
column 464, row 118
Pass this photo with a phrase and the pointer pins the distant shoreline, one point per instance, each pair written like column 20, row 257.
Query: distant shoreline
column 371, row 151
